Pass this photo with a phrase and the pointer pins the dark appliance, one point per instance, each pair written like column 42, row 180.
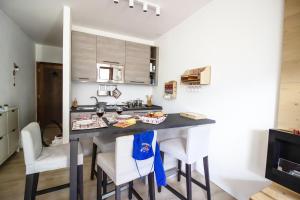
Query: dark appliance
column 283, row 159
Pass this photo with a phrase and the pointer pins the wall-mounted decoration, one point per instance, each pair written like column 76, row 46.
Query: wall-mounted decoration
column 197, row 76
column 170, row 90
column 15, row 70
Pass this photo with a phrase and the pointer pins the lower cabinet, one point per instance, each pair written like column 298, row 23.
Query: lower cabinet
column 3, row 148
column 13, row 141
column 9, row 133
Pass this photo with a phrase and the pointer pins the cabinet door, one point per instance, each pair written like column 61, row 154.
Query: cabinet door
column 137, row 63
column 3, row 148
column 12, row 120
column 84, row 57
column 110, row 50
column 3, row 127
column 13, row 141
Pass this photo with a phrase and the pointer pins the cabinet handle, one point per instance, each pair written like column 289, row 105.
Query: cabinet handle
column 13, row 130
column 0, row 114
column 1, row 137
column 112, row 62
column 12, row 110
column 80, row 78
column 136, row 81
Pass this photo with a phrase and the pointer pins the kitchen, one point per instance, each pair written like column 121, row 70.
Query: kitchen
column 100, row 73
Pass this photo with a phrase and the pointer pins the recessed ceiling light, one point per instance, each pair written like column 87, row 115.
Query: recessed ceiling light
column 131, row 3
column 145, row 7
column 116, row 1
column 157, row 11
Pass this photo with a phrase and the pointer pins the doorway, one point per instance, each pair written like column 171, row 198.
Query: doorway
column 49, row 99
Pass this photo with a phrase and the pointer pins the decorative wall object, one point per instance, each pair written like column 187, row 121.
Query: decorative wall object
column 170, row 90
column 197, row 76
column 15, row 70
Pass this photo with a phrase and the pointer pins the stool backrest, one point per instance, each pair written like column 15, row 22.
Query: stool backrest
column 197, row 142
column 32, row 142
column 126, row 169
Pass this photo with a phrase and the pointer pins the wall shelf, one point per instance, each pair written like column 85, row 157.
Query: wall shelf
column 197, row 76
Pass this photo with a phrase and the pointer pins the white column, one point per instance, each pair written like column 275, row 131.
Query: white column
column 66, row 71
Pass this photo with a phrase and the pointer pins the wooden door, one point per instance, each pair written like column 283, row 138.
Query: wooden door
column 84, row 51
column 110, row 50
column 49, row 93
column 137, row 67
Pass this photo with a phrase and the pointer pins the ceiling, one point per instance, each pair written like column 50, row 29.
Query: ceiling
column 42, row 19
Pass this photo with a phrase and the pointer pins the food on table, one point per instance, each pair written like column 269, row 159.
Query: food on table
column 155, row 114
column 125, row 123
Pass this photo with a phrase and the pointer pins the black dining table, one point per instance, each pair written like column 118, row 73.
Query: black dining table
column 172, row 121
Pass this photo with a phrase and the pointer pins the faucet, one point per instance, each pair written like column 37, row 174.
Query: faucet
column 97, row 102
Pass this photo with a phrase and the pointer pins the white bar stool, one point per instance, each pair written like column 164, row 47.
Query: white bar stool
column 122, row 169
column 41, row 159
column 189, row 150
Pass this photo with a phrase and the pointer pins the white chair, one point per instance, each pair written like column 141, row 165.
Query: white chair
column 122, row 169
column 41, row 159
column 189, row 150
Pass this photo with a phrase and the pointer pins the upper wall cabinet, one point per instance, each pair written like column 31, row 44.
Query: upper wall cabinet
column 84, row 57
column 110, row 51
column 137, row 63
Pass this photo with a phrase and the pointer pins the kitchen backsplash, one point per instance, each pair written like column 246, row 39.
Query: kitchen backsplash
column 83, row 92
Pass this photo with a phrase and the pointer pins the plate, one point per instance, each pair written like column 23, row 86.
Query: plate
column 124, row 116
column 84, row 122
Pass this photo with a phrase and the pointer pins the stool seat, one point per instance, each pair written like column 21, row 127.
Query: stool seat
column 52, row 158
column 101, row 144
column 123, row 169
column 105, row 143
column 108, row 163
column 189, row 150
column 176, row 148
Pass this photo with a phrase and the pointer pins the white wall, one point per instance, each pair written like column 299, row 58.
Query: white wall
column 83, row 91
column 17, row 47
column 241, row 40
column 46, row 53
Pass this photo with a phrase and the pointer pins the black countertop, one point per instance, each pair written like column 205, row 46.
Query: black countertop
column 81, row 108
column 172, row 121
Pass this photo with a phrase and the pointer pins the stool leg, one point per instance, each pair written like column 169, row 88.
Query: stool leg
column 162, row 154
column 188, row 169
column 94, row 154
column 99, row 183
column 151, row 186
column 34, row 185
column 130, row 190
column 80, row 181
column 206, row 173
column 104, row 182
column 118, row 192
column 29, row 187
column 178, row 170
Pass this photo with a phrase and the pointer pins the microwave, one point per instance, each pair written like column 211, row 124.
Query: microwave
column 110, row 73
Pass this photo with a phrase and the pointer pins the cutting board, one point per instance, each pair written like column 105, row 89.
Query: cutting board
column 192, row 115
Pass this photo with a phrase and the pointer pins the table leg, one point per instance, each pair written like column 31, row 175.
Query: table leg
column 73, row 169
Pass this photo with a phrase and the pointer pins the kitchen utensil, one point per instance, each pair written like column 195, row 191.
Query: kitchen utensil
column 149, row 100
column 116, row 93
column 191, row 115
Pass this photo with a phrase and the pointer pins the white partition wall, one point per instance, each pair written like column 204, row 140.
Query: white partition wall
column 66, row 72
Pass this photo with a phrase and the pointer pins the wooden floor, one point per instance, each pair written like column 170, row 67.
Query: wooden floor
column 12, row 176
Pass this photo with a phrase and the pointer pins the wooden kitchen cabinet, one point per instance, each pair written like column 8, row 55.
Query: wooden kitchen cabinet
column 137, row 63
column 84, row 52
column 111, row 51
